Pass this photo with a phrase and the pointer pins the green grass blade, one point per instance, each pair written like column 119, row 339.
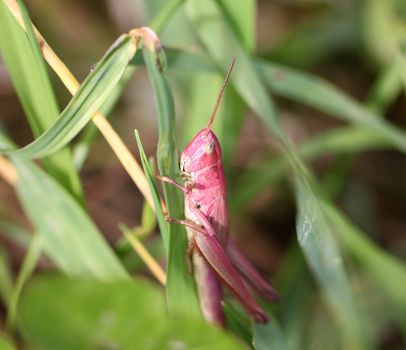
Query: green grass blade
column 321, row 95
column 91, row 95
column 313, row 42
column 6, row 281
column 180, row 288
column 295, row 285
column 70, row 238
column 82, row 147
column 318, row 244
column 243, row 19
column 160, row 20
column 27, row 70
column 386, row 88
column 269, row 337
column 15, row 233
column 66, row 314
column 27, row 268
column 163, row 226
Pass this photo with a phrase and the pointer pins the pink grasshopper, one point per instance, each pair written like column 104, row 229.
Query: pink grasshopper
column 216, row 257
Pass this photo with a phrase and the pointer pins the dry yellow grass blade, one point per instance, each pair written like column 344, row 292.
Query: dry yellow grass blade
column 144, row 254
column 8, row 171
column 123, row 154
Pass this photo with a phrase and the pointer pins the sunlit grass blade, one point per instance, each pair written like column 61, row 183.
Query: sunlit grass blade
column 386, row 88
column 180, row 289
column 82, row 147
column 163, row 226
column 316, row 240
column 27, row 70
column 70, row 238
column 91, row 95
column 30, row 262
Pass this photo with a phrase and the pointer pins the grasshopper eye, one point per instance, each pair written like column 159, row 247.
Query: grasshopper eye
column 210, row 147
column 184, row 163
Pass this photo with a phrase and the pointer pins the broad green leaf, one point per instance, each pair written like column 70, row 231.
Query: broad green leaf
column 163, row 226
column 91, row 95
column 70, row 238
column 28, row 73
column 180, row 288
column 27, row 268
column 61, row 314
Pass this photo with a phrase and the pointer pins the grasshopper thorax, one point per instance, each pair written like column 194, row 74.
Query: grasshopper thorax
column 203, row 152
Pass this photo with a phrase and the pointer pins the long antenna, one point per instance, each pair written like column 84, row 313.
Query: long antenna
column 219, row 97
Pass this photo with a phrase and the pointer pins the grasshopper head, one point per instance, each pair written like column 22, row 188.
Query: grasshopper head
column 201, row 153
column 204, row 151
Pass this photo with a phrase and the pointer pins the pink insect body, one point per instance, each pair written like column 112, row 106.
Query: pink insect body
column 216, row 257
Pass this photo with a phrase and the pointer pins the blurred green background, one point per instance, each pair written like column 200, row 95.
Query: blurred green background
column 329, row 75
